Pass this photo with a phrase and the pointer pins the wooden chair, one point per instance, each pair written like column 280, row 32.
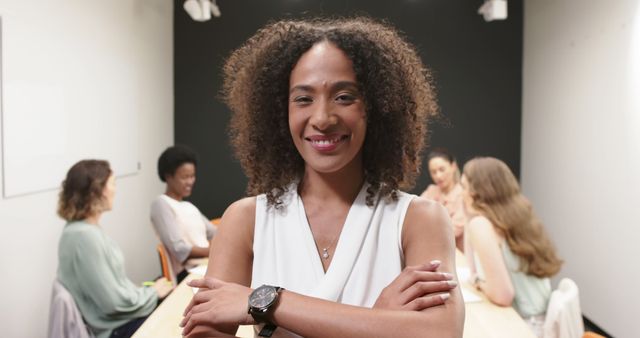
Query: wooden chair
column 165, row 264
column 590, row 334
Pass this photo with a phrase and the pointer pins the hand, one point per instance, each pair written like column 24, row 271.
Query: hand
column 476, row 281
column 417, row 288
column 218, row 304
column 163, row 287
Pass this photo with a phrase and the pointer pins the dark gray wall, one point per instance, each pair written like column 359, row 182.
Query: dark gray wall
column 477, row 67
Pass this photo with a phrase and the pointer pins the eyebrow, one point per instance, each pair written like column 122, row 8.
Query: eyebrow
column 334, row 87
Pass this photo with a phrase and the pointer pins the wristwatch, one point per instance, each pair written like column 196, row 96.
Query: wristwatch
column 261, row 302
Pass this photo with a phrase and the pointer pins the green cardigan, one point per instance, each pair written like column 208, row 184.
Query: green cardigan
column 91, row 267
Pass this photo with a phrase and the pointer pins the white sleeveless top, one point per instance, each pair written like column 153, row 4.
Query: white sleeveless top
column 368, row 254
column 189, row 220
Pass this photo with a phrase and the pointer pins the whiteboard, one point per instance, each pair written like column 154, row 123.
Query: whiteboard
column 67, row 94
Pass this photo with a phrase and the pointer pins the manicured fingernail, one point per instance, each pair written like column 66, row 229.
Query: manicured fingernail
column 435, row 263
column 447, row 275
column 452, row 283
column 445, row 296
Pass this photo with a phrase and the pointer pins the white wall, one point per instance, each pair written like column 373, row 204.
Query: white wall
column 581, row 147
column 142, row 32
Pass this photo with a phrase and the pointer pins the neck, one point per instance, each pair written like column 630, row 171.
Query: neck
column 93, row 219
column 173, row 195
column 448, row 188
column 343, row 185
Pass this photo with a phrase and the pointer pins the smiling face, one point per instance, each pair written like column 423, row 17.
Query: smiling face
column 327, row 117
column 443, row 173
column 180, row 184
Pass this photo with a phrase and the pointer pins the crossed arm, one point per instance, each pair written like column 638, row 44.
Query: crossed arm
column 407, row 307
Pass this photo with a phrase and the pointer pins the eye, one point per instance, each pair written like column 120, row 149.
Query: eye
column 346, row 98
column 302, row 100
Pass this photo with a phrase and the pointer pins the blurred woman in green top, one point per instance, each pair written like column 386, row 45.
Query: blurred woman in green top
column 510, row 254
column 90, row 264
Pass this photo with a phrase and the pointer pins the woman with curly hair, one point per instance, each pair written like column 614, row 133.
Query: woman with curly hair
column 90, row 264
column 329, row 119
column 182, row 228
column 511, row 256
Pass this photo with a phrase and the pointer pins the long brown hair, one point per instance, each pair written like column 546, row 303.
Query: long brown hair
column 82, row 189
column 496, row 195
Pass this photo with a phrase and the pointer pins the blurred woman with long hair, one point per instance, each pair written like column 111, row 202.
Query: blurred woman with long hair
column 510, row 253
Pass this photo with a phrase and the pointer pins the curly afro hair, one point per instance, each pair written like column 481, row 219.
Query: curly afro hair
column 396, row 86
column 172, row 158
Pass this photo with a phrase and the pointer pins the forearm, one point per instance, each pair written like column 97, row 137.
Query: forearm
column 322, row 318
column 210, row 332
column 198, row 251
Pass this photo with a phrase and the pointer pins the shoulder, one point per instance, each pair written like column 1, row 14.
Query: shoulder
column 82, row 237
column 243, row 206
column 159, row 203
column 431, row 192
column 239, row 216
column 81, row 230
column 481, row 230
column 480, row 223
column 427, row 209
column 426, row 216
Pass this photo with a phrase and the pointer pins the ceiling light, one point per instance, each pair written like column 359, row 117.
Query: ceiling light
column 493, row 10
column 201, row 10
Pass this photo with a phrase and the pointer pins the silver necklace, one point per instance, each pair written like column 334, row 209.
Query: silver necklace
column 325, row 250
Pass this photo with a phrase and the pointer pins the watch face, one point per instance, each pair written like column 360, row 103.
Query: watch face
column 263, row 296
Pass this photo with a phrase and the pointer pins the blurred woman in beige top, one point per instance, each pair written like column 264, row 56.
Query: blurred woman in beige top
column 447, row 190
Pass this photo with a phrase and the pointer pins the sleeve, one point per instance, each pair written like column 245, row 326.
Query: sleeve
column 165, row 225
column 211, row 230
column 104, row 281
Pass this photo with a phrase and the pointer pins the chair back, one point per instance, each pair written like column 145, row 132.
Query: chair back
column 65, row 319
column 165, row 264
column 564, row 317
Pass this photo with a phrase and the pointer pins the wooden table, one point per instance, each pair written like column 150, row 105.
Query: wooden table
column 483, row 319
column 164, row 321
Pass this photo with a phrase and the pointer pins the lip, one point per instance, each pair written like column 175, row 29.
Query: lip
column 326, row 143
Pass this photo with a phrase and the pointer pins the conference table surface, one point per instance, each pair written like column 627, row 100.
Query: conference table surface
column 483, row 319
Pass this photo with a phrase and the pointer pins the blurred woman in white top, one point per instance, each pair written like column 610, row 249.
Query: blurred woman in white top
column 447, row 190
column 182, row 228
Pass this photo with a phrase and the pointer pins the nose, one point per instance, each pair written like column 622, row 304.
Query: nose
column 322, row 117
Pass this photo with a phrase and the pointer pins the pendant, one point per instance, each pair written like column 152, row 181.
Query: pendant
column 325, row 253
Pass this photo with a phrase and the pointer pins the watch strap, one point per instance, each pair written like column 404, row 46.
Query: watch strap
column 267, row 330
